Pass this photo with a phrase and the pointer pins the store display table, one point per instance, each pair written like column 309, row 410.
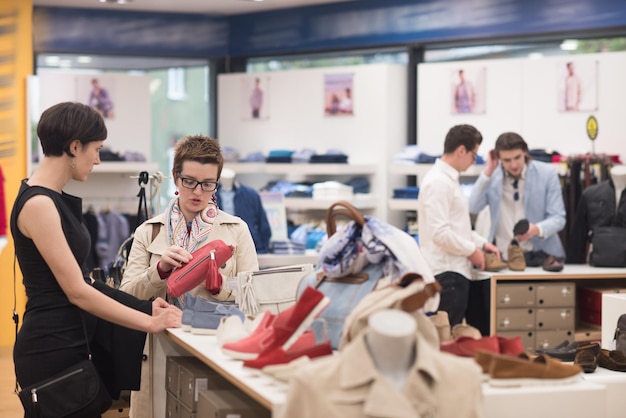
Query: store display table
column 582, row 399
column 598, row 395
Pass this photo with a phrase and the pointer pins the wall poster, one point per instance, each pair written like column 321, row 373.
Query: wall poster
column 577, row 86
column 255, row 97
column 468, row 90
column 338, row 94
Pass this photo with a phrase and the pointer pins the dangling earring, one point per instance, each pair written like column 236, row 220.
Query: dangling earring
column 73, row 164
column 176, row 192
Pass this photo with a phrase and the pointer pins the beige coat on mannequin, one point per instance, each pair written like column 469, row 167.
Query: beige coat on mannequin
column 142, row 280
column 348, row 385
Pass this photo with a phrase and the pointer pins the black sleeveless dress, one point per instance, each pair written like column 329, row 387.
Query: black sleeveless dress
column 51, row 337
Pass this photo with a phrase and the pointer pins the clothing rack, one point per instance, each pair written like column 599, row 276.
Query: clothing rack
column 582, row 171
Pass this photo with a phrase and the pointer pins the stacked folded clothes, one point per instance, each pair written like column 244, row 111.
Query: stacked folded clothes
column 332, row 190
column 408, row 192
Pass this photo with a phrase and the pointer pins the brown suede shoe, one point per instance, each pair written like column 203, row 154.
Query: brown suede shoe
column 587, row 356
column 551, row 263
column 508, row 371
column 484, row 359
column 516, row 260
column 612, row 360
column 493, row 263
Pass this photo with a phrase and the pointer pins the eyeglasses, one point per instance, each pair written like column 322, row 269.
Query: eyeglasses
column 206, row 186
column 474, row 155
column 516, row 194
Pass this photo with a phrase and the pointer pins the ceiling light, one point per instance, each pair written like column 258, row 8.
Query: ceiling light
column 569, row 45
column 52, row 60
column 535, row 55
column 85, row 59
column 116, row 1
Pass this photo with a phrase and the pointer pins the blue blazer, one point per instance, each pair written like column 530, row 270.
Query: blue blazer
column 543, row 203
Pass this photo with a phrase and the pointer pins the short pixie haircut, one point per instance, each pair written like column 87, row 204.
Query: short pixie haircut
column 65, row 122
column 199, row 148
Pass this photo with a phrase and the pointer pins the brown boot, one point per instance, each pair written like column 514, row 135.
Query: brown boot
column 493, row 263
column 516, row 259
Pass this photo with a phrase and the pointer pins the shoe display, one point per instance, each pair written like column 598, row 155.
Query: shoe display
column 468, row 346
column 509, row 371
column 207, row 316
column 285, row 329
column 551, row 263
column 587, row 356
column 305, row 346
column 511, row 346
column 188, row 312
column 484, row 358
column 612, row 360
column 442, row 323
column 516, row 260
column 493, row 263
column 229, row 330
column 521, row 227
column 464, row 330
column 565, row 351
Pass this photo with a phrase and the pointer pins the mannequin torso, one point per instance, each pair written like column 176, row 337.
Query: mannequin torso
column 391, row 340
column 227, row 179
column 618, row 175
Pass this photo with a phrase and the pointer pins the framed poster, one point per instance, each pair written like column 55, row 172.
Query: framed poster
column 338, row 94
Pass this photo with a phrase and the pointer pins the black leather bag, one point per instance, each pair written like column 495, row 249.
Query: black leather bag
column 620, row 334
column 76, row 392
column 608, row 247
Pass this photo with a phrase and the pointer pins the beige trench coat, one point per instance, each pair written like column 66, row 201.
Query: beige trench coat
column 142, row 280
column 348, row 385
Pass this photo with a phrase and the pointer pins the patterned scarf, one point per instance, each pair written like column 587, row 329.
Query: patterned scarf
column 188, row 235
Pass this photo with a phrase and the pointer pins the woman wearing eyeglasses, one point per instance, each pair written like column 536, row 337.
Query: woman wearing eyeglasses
column 191, row 220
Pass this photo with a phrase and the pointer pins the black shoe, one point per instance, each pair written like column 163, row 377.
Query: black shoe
column 565, row 351
column 521, row 227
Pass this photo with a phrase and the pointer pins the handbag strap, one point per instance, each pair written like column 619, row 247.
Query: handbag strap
column 344, row 208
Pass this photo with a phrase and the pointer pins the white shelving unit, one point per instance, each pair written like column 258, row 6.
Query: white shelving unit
column 419, row 170
column 257, row 174
column 112, row 184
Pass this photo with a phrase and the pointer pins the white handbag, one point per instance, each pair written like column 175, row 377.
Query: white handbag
column 272, row 289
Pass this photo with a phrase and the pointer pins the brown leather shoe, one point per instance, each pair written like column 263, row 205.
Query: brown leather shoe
column 516, row 260
column 587, row 356
column 508, row 371
column 493, row 263
column 612, row 360
column 551, row 263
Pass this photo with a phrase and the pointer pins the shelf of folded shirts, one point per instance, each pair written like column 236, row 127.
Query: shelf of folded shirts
column 125, row 167
column 421, row 169
column 402, row 204
column 119, row 167
column 302, row 168
column 361, row 202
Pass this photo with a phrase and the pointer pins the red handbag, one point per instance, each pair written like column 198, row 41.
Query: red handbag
column 203, row 267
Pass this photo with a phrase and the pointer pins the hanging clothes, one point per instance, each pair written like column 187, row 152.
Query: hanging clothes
column 597, row 207
column 245, row 202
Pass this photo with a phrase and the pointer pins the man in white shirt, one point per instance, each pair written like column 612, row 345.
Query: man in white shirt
column 446, row 237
